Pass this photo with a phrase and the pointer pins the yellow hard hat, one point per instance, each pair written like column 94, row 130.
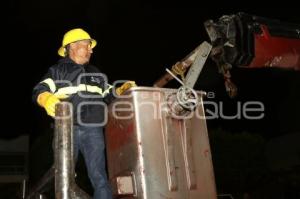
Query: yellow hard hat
column 73, row 36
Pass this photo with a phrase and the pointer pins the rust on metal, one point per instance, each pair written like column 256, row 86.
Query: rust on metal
column 164, row 154
column 65, row 186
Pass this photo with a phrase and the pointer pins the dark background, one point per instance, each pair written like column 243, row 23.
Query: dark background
column 137, row 40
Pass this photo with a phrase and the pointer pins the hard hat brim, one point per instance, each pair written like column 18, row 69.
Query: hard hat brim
column 61, row 50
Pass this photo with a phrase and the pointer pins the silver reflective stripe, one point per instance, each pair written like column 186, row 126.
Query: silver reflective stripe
column 107, row 90
column 82, row 87
column 50, row 83
column 68, row 90
column 93, row 89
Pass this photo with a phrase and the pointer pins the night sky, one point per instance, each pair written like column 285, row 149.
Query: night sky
column 137, row 40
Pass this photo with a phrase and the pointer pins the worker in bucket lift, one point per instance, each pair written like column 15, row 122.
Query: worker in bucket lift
column 74, row 80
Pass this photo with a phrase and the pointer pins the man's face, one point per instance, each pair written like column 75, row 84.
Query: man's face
column 81, row 51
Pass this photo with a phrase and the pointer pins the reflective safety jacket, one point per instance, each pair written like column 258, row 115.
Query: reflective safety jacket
column 87, row 89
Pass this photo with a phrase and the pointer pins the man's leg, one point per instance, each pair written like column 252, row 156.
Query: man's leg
column 92, row 147
column 76, row 133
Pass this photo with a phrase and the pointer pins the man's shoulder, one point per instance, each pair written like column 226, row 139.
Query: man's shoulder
column 58, row 67
column 62, row 64
column 65, row 62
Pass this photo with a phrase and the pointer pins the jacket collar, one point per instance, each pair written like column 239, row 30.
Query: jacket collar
column 67, row 60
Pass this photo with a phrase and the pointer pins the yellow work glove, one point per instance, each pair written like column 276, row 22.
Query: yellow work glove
column 48, row 101
column 127, row 85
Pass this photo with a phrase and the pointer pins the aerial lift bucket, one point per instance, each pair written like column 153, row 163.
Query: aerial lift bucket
column 157, row 151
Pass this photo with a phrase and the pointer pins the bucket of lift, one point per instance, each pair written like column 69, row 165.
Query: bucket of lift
column 155, row 149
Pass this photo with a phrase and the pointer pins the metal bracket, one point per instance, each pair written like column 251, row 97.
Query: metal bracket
column 197, row 66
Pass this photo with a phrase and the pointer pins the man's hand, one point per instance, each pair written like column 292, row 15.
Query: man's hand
column 127, row 85
column 48, row 101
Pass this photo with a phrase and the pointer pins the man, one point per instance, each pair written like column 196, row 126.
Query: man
column 75, row 80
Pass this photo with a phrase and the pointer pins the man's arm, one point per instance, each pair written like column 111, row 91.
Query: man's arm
column 47, row 84
column 43, row 92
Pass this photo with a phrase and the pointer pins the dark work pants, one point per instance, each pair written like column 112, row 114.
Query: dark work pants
column 90, row 141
